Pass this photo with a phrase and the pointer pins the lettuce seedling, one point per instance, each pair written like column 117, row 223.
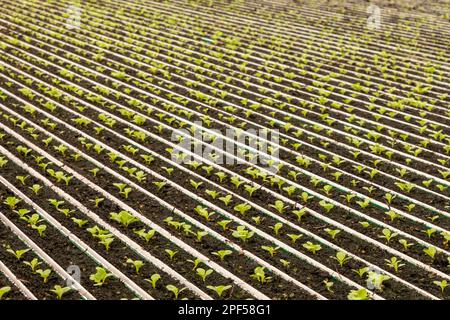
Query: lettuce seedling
column 219, row 289
column 22, row 179
column 100, row 276
column 224, row 224
column 260, row 275
column 392, row 215
column 203, row 212
column 332, row 232
column 12, row 202
column 276, row 227
column 394, row 263
column 56, row 203
column 328, row 284
column 4, row 291
column 441, row 284
column 222, row 254
column 250, row 189
column 299, row 213
column 35, row 188
column 361, row 272
column 40, row 229
column 18, row 253
column 360, row 294
column 294, row 237
column 195, row 262
column 171, row 253
column 44, row 274
column 138, row 264
column 279, row 206
column 175, row 290
column 365, row 224
column 242, row 208
column 429, row 232
column 79, row 222
column 153, row 280
column 242, row 233
column 22, row 212
column 431, row 252
column 305, row 197
column 341, row 258
column 405, row 243
column 3, row 162
column 388, row 235
column 196, row 185
column 60, row 291
column 226, row 199
column 221, row 175
column 123, row 217
column 376, row 279
column 212, row 193
column 290, row 190
column 200, row 234
column 33, row 264
column 271, row 250
column 204, row 273
column 147, row 236
column 106, row 240
column 327, row 206
column 312, row 247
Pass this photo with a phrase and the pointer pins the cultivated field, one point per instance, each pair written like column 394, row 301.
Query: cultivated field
column 231, row 149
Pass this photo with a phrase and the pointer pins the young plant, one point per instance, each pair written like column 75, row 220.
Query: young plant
column 260, row 275
column 431, row 252
column 361, row 271
column 328, row 284
column 171, row 253
column 222, row 254
column 341, row 258
column 33, row 264
column 60, row 291
column 195, row 262
column 279, row 206
column 242, row 208
column 18, row 253
column 276, row 228
column 271, row 250
column 405, row 243
column 327, row 206
column 202, row 273
column 312, row 247
column 100, row 276
column 242, row 233
column 299, row 213
column 35, row 188
column 360, row 294
column 388, row 235
column 219, row 289
column 44, row 274
column 138, row 264
column 376, row 279
column 4, row 291
column 123, row 217
column 176, row 292
column 146, row 235
column 394, row 263
column 12, row 202
column 332, row 232
column 441, row 284
column 153, row 280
